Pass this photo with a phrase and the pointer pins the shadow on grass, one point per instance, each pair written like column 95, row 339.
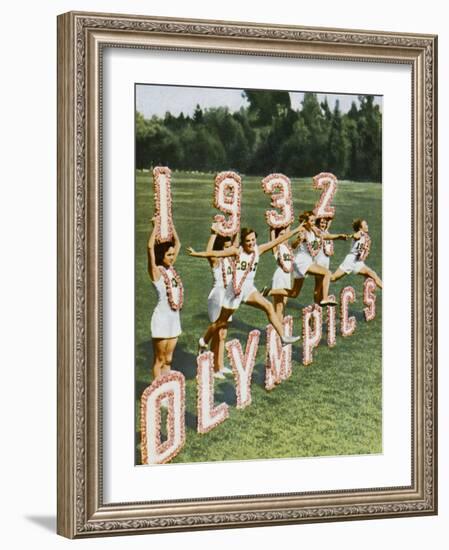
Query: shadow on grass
column 191, row 420
column 183, row 361
column 226, row 392
column 259, row 374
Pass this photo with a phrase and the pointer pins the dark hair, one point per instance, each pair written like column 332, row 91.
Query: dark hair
column 304, row 216
column 357, row 224
column 318, row 220
column 160, row 250
column 277, row 231
column 220, row 241
column 245, row 231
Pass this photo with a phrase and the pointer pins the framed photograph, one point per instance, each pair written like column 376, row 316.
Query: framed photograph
column 247, row 318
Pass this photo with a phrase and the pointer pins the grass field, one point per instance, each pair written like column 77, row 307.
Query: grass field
column 332, row 407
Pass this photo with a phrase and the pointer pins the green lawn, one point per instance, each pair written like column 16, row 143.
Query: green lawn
column 332, row 407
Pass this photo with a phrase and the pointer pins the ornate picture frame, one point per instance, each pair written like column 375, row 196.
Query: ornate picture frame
column 82, row 41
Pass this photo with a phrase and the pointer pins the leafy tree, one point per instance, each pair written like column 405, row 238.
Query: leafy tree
column 268, row 136
column 198, row 115
column 202, row 149
column 156, row 144
column 266, row 105
column 294, row 148
column 231, row 134
column 338, row 145
column 315, row 150
column 370, row 135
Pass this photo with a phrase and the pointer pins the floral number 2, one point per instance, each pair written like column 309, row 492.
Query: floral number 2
column 327, row 182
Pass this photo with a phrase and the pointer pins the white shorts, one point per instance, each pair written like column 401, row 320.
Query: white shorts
column 322, row 260
column 281, row 279
column 215, row 303
column 351, row 265
column 231, row 301
column 165, row 324
column 301, row 264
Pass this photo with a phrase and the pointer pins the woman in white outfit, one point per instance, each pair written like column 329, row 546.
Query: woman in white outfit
column 282, row 276
column 325, row 252
column 307, row 246
column 222, row 276
column 165, row 321
column 354, row 262
column 242, row 288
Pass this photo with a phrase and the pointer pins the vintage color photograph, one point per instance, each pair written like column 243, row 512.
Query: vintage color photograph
column 258, row 274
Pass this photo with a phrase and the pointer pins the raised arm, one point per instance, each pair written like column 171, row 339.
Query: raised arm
column 326, row 236
column 299, row 239
column 272, row 237
column 177, row 243
column 335, row 236
column 153, row 270
column 210, row 247
column 275, row 242
column 226, row 253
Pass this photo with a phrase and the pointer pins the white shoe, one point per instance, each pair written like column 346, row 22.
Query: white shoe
column 202, row 346
column 328, row 303
column 219, row 375
column 226, row 370
column 286, row 340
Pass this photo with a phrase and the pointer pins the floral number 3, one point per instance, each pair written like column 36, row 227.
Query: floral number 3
column 280, row 189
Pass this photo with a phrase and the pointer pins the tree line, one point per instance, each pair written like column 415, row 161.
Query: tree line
column 268, row 136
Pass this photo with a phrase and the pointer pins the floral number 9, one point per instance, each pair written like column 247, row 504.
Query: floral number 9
column 227, row 198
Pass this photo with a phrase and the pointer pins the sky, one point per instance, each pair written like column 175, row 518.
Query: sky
column 157, row 99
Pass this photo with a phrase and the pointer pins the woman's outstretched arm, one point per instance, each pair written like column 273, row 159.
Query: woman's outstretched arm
column 226, row 253
column 275, row 242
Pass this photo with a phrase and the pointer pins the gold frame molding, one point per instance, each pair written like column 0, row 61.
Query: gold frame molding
column 81, row 39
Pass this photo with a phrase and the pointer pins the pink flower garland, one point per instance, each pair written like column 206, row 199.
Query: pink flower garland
column 369, row 299
column 209, row 416
column 278, row 359
column 227, row 198
column 311, row 248
column 160, row 447
column 347, row 324
column 327, row 245
column 159, row 171
column 238, row 287
column 168, row 285
column 365, row 246
column 243, row 365
column 311, row 339
column 286, row 268
column 279, row 187
column 224, row 275
column 328, row 183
